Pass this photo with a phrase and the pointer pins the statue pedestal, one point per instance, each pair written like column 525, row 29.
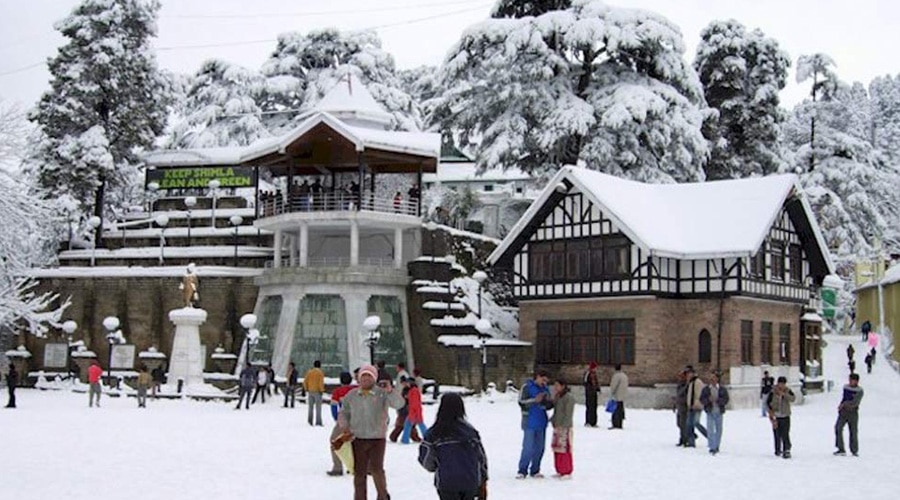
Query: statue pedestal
column 186, row 362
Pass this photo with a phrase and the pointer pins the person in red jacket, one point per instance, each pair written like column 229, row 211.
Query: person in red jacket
column 94, row 375
column 414, row 417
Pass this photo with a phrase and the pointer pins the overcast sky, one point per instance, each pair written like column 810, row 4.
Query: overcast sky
column 861, row 36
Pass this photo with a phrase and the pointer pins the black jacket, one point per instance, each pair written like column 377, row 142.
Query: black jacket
column 457, row 460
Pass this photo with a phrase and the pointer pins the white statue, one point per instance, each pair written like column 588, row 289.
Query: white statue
column 190, row 287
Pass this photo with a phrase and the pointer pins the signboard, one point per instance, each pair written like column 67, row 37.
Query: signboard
column 829, row 300
column 123, row 357
column 199, row 177
column 55, row 355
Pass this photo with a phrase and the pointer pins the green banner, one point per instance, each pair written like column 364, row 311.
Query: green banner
column 199, row 177
column 829, row 302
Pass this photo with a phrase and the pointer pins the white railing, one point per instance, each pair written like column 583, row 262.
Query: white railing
column 332, row 202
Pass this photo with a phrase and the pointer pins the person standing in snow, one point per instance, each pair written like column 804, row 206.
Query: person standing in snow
column 618, row 390
column 337, row 468
column 363, row 419
column 591, row 390
column 694, row 408
column 534, row 401
column 714, row 398
column 561, row 442
column 452, row 449
column 144, row 381
column 401, row 373
column 314, row 383
column 414, row 417
column 868, row 360
column 158, row 375
column 262, row 380
column 400, row 421
column 94, row 375
column 247, row 379
column 12, row 380
column 779, row 404
column 848, row 414
column 679, row 405
column 291, row 384
column 866, row 329
column 765, row 388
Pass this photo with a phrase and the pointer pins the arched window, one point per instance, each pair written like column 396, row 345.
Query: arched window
column 704, row 347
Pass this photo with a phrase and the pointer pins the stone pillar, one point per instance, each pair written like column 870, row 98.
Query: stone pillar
column 304, row 244
column 284, row 334
column 292, row 251
column 84, row 360
column 187, row 360
column 357, row 307
column 398, row 248
column 354, row 243
column 277, row 247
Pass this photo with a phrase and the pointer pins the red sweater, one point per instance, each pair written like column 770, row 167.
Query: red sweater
column 415, row 406
column 94, row 374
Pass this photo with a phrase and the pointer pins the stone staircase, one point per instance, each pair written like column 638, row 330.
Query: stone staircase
column 432, row 291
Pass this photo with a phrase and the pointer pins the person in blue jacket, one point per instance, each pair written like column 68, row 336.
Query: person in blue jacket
column 534, row 400
column 452, row 449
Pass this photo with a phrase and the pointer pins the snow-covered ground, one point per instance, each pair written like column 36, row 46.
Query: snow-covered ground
column 54, row 446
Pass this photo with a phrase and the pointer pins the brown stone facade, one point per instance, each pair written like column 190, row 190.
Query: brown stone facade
column 667, row 330
column 142, row 305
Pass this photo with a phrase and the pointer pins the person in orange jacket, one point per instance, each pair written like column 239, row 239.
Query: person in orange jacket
column 414, row 417
column 94, row 375
column 314, row 383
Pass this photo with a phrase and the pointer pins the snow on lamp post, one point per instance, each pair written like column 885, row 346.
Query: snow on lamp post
column 190, row 202
column 248, row 322
column 69, row 328
column 371, row 325
column 72, row 219
column 94, row 222
column 484, row 327
column 236, row 221
column 153, row 189
column 480, row 277
column 431, row 227
column 113, row 336
column 214, row 193
column 162, row 220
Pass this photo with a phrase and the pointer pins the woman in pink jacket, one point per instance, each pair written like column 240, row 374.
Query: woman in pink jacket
column 414, row 417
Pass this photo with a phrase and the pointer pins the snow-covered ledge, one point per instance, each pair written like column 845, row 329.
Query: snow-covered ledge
column 151, row 353
column 20, row 352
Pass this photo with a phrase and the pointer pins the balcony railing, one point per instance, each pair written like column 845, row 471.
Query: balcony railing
column 318, row 262
column 277, row 204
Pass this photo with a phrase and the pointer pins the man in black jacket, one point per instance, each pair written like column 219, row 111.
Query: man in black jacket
column 12, row 380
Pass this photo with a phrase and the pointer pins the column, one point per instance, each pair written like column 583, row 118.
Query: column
column 398, row 248
column 304, row 244
column 277, row 248
column 356, row 306
column 292, row 251
column 354, row 243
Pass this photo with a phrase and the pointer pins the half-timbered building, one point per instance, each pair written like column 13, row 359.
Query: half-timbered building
column 657, row 276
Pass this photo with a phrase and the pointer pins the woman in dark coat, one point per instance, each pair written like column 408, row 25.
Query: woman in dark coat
column 452, row 450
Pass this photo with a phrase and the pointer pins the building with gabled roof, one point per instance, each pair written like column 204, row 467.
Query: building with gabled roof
column 657, row 276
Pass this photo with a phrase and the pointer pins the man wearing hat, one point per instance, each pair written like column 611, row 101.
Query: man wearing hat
column 363, row 418
column 591, row 389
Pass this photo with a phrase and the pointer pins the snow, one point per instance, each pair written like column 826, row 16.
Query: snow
column 230, row 453
column 468, row 172
column 687, row 221
column 139, row 271
column 353, row 98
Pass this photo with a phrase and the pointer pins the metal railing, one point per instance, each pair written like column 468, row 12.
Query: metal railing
column 276, row 204
column 318, row 262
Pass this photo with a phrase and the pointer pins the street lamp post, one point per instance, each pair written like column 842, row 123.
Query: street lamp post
column 214, row 192
column 190, row 202
column 236, row 221
column 371, row 325
column 72, row 219
column 248, row 321
column 162, row 220
column 113, row 336
column 94, row 222
column 431, row 227
column 484, row 327
column 480, row 277
column 69, row 327
column 153, row 187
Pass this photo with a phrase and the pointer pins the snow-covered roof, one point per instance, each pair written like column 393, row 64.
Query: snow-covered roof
column 350, row 99
column 892, row 275
column 140, row 271
column 704, row 220
column 416, row 143
column 467, row 172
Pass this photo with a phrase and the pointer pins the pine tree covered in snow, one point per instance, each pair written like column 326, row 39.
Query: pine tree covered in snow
column 305, row 67
column 741, row 72
column 522, row 8
column 885, row 96
column 592, row 84
column 220, row 108
column 850, row 183
column 107, row 100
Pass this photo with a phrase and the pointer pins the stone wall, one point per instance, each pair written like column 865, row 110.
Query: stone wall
column 666, row 335
column 142, row 305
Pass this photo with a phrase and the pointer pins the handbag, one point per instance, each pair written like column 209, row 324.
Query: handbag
column 611, row 405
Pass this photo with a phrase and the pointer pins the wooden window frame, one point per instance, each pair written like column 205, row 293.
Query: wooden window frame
column 765, row 343
column 746, row 342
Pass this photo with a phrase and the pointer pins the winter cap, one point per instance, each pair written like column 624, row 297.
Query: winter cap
column 592, row 365
column 368, row 370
